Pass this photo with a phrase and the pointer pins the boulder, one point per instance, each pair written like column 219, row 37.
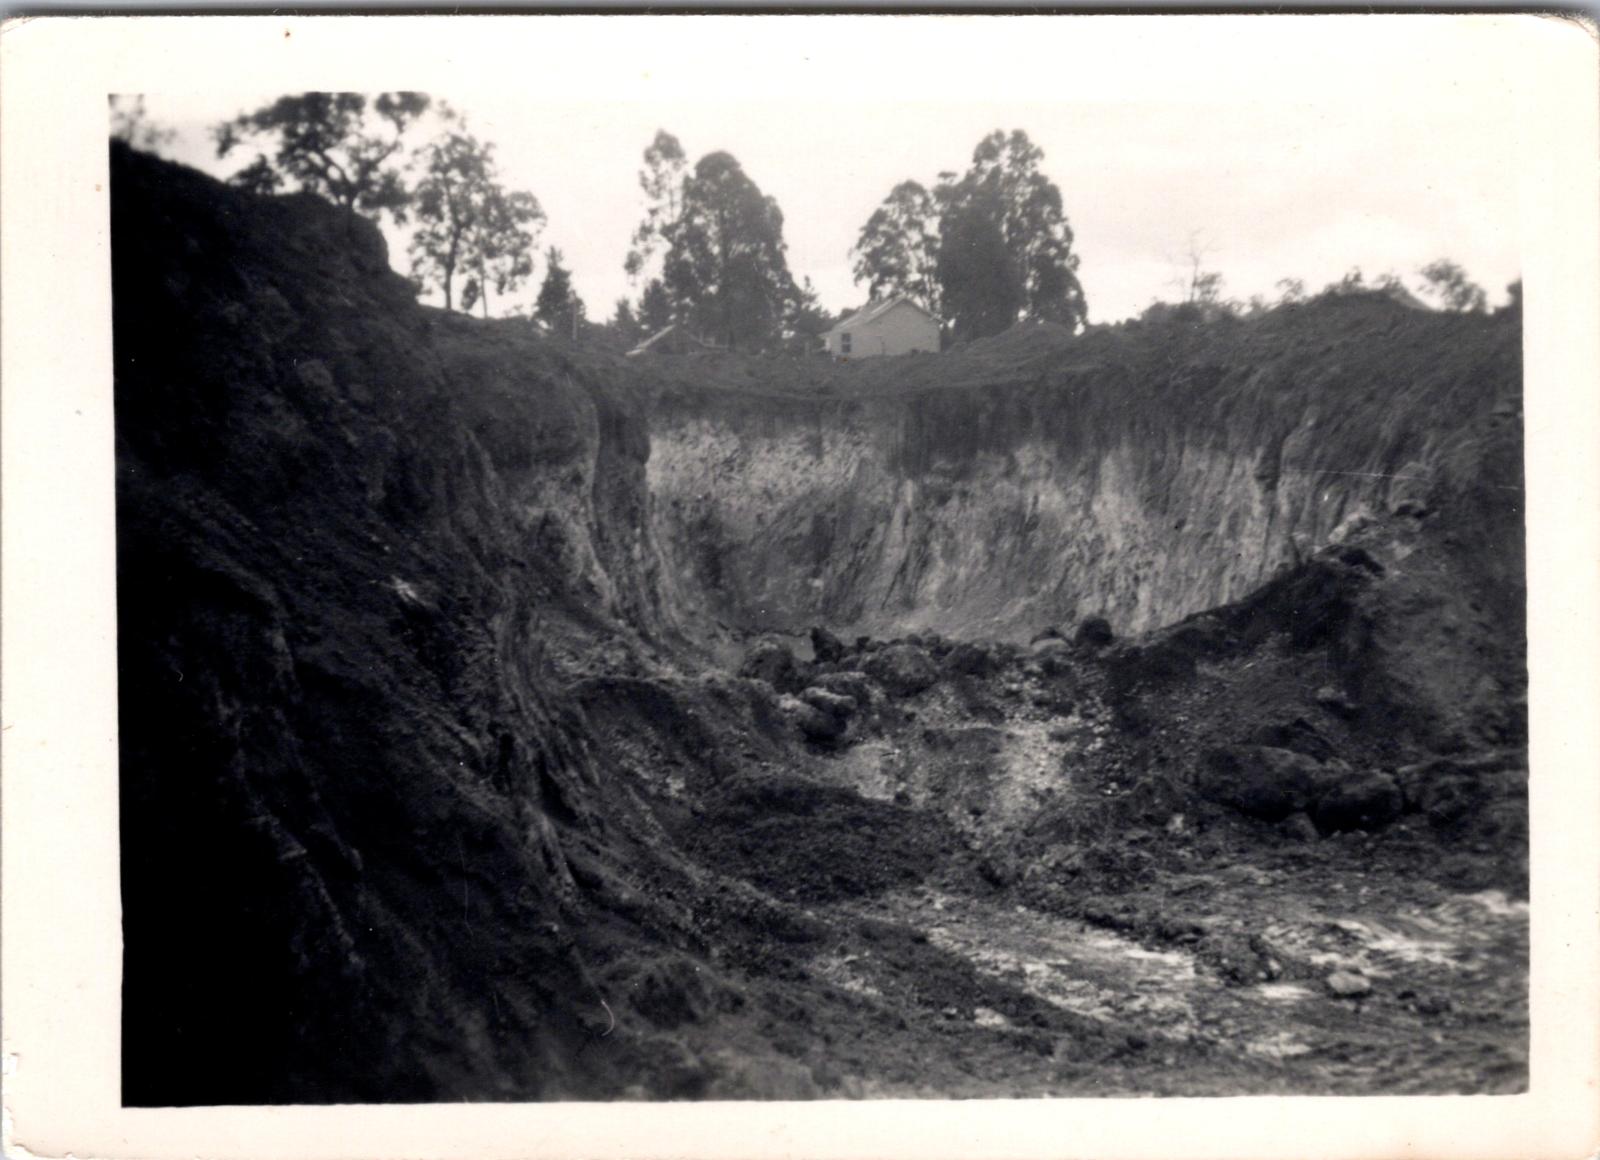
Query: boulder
column 1095, row 631
column 1363, row 801
column 772, row 661
column 1044, row 634
column 825, row 646
column 1450, row 791
column 1237, row 958
column 1432, row 1004
column 1348, row 985
column 833, row 704
column 1336, row 702
column 1299, row 827
column 1448, row 800
column 971, row 659
column 1354, row 557
column 902, row 669
column 1351, row 526
column 1259, row 780
column 821, row 715
column 1053, row 656
column 1298, row 735
column 814, row 724
column 849, row 683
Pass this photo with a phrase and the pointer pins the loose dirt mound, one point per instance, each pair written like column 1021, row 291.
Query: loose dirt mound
column 817, row 843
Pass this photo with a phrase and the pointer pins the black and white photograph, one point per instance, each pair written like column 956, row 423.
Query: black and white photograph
column 887, row 587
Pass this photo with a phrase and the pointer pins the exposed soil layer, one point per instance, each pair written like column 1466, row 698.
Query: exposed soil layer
column 1141, row 473
column 451, row 768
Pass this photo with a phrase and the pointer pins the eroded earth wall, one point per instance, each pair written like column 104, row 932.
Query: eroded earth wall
column 1141, row 475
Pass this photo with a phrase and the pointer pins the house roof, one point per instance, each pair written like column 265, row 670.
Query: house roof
column 875, row 310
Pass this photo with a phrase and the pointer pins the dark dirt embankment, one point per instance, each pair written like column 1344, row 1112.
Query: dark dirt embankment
column 352, row 791
column 430, row 791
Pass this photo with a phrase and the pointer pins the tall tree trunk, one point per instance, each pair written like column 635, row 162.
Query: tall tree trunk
column 451, row 258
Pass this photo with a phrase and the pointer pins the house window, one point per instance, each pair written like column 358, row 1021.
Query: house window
column 844, row 343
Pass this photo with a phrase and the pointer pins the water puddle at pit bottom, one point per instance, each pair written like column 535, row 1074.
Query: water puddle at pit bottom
column 1283, row 1045
column 1078, row 968
column 1284, row 992
column 1387, row 946
column 1100, row 975
column 1458, row 936
column 1496, row 903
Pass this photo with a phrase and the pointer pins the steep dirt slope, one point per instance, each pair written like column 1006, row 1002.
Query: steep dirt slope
column 1141, row 473
column 350, row 794
column 431, row 788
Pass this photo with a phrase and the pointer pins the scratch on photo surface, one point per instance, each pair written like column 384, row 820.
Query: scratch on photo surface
column 1392, row 475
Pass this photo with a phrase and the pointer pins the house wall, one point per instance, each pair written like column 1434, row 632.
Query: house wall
column 899, row 331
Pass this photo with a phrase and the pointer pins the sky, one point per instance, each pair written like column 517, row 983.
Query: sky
column 1275, row 147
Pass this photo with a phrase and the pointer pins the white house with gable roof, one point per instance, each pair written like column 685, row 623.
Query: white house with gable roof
column 895, row 326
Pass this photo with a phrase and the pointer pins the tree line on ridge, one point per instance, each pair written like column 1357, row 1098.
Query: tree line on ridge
column 980, row 250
